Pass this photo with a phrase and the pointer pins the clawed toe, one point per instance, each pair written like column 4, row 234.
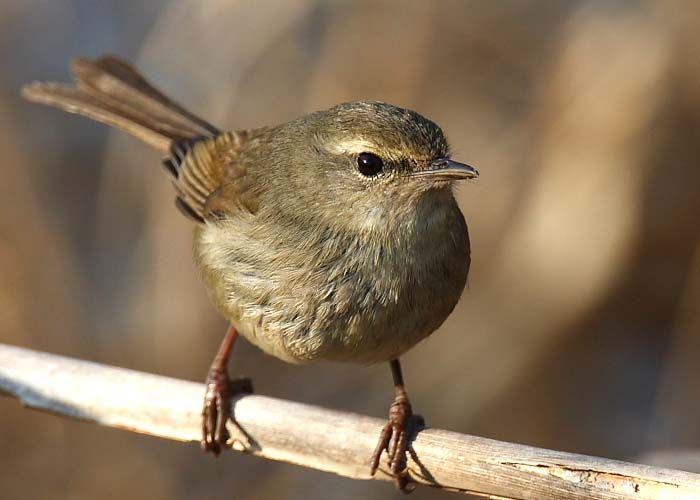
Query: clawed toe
column 397, row 434
column 217, row 408
column 395, row 439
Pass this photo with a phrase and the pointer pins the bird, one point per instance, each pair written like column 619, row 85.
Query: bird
column 334, row 236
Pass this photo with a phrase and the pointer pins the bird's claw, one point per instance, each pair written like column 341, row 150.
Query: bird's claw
column 217, row 408
column 395, row 439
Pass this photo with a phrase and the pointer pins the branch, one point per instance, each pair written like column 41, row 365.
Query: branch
column 324, row 439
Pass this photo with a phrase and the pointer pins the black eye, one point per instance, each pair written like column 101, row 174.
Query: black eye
column 369, row 164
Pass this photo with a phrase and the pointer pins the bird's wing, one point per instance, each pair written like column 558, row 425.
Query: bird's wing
column 209, row 177
column 204, row 163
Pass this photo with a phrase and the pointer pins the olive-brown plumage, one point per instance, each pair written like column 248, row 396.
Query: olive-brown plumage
column 334, row 236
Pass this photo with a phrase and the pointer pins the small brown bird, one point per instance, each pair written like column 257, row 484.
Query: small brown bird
column 334, row 236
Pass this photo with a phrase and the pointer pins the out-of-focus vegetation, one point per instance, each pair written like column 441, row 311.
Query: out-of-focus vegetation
column 580, row 329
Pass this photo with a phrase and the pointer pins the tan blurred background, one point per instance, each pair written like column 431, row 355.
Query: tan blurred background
column 580, row 329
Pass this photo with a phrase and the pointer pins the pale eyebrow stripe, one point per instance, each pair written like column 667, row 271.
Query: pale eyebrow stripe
column 352, row 146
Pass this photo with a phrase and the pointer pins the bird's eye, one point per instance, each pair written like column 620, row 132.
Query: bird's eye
column 369, row 164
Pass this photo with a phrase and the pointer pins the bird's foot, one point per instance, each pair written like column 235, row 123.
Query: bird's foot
column 220, row 389
column 395, row 440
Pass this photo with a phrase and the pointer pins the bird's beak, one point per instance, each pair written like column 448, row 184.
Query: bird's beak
column 446, row 170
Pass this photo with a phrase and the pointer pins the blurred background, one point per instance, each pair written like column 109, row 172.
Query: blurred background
column 580, row 328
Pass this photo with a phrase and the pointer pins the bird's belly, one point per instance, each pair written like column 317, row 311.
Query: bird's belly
column 358, row 304
column 349, row 321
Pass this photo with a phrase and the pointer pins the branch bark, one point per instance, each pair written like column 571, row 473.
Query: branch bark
column 324, row 439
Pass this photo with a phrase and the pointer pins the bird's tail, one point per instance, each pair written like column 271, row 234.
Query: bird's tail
column 111, row 91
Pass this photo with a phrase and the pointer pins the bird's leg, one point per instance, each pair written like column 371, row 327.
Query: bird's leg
column 397, row 433
column 217, row 398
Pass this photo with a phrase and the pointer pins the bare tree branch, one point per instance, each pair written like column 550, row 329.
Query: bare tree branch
column 324, row 439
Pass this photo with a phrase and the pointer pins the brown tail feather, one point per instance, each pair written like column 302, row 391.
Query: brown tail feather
column 111, row 91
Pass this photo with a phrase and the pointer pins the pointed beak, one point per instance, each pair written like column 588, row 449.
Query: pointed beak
column 445, row 169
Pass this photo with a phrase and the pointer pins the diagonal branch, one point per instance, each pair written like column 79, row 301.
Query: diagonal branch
column 324, row 439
